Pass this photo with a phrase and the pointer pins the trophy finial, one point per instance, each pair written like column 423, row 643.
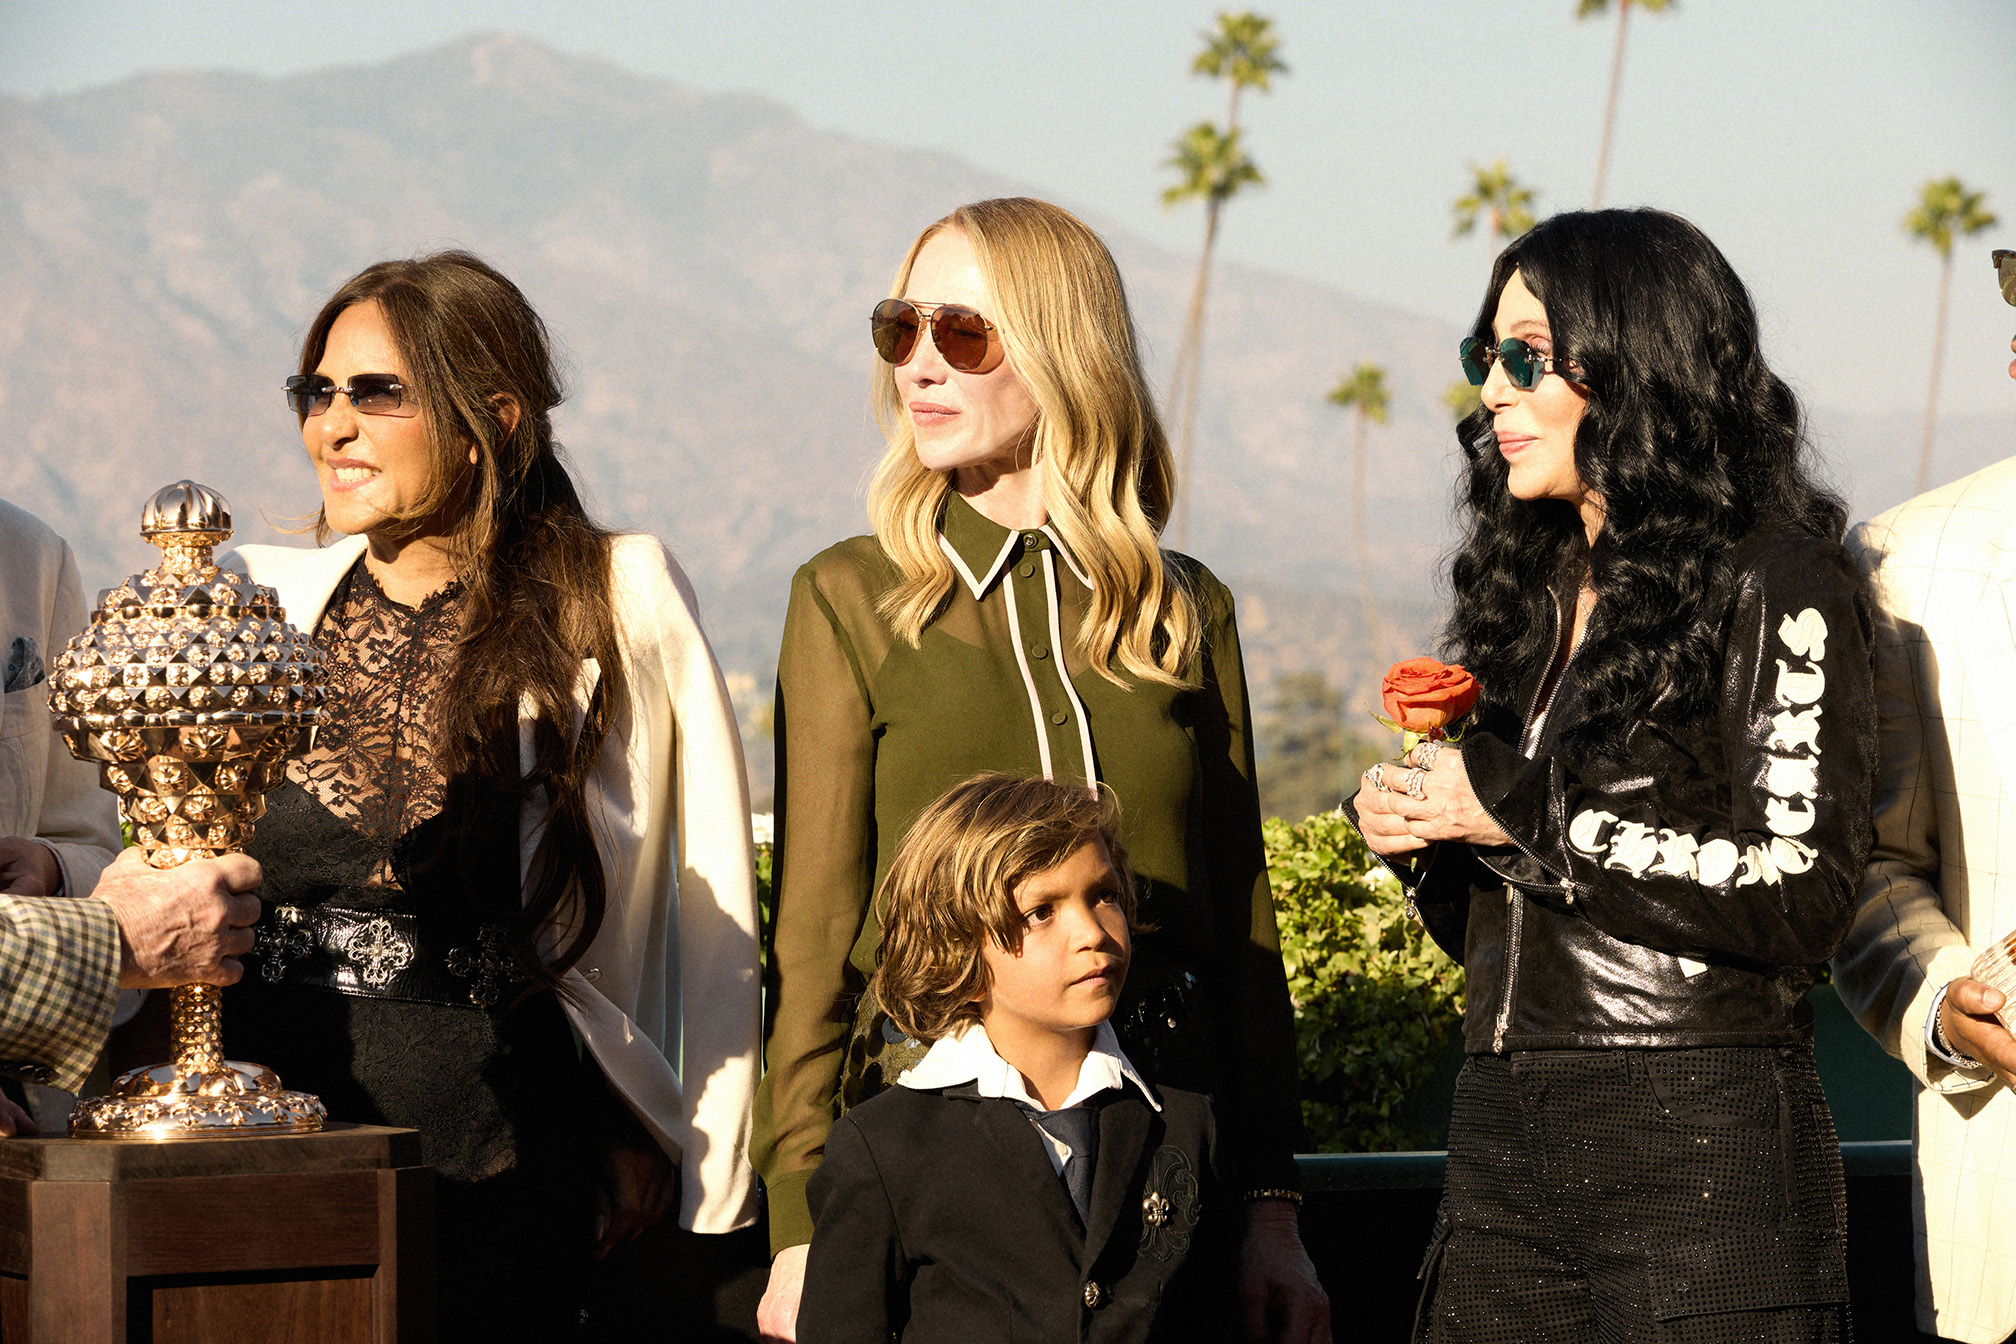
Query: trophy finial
column 185, row 507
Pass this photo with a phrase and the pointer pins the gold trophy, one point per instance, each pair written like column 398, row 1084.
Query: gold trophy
column 190, row 690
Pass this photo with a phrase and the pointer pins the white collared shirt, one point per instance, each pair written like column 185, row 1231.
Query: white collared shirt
column 967, row 1056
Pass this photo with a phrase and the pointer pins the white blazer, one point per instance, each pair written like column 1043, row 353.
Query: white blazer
column 1942, row 875
column 670, row 999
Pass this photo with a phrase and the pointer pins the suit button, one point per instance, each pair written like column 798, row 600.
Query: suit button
column 1095, row 1296
column 1027, row 571
column 1032, row 540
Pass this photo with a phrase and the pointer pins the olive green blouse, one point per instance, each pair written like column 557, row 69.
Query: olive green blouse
column 869, row 731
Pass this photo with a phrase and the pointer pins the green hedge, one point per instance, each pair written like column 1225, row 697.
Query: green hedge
column 1375, row 1000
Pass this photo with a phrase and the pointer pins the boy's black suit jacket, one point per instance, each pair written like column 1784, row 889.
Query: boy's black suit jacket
column 939, row 1217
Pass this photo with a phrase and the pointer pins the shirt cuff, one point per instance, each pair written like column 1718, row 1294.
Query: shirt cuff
column 790, row 1210
column 81, row 865
column 63, row 884
column 1935, row 1044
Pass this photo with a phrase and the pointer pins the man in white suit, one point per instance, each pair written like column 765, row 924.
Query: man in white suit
column 1941, row 883
column 58, row 829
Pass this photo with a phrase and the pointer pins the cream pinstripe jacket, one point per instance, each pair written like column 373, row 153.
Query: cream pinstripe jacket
column 59, row 957
column 1942, row 876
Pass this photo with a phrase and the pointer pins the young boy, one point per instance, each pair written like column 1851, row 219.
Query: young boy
column 1022, row 1181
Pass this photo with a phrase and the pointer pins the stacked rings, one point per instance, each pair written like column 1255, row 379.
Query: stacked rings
column 1426, row 752
column 1417, row 784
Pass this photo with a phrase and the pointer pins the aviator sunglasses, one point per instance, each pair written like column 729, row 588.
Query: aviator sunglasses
column 2005, row 267
column 370, row 393
column 1524, row 366
column 965, row 339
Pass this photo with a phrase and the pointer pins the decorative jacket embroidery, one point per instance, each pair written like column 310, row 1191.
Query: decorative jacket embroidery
column 1170, row 1205
column 1791, row 777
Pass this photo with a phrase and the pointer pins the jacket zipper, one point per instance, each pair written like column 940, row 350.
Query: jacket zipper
column 1518, row 905
column 1513, row 897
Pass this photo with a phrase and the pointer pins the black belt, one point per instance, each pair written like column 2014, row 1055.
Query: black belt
column 386, row 954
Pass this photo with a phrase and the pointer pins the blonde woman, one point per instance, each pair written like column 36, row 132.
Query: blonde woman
column 1013, row 611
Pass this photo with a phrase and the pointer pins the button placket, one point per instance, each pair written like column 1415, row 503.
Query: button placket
column 1032, row 634
column 1032, row 600
column 1075, row 715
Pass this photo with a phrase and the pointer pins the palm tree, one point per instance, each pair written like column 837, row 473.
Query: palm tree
column 1461, row 398
column 1945, row 209
column 1213, row 168
column 1498, row 199
column 1582, row 11
column 1365, row 393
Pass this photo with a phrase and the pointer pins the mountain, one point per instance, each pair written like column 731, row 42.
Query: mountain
column 707, row 263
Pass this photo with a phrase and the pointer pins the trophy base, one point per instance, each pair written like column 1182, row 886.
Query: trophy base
column 163, row 1102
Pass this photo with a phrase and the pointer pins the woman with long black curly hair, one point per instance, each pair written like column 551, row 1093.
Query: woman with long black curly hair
column 1655, row 829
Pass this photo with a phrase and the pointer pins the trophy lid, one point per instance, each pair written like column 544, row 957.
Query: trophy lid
column 185, row 507
column 185, row 645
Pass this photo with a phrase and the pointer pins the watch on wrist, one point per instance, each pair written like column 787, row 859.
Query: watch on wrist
column 1946, row 1048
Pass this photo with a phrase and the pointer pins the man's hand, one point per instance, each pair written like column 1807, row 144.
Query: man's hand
column 777, row 1313
column 181, row 926
column 28, row 868
column 14, row 1120
column 1968, row 1022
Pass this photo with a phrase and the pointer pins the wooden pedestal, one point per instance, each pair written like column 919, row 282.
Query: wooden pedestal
column 319, row 1238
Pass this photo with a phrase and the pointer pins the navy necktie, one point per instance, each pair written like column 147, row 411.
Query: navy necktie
column 1076, row 1129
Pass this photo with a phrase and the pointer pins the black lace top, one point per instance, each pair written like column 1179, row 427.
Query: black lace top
column 359, row 826
column 372, row 767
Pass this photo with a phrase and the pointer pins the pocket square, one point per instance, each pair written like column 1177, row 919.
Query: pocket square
column 24, row 664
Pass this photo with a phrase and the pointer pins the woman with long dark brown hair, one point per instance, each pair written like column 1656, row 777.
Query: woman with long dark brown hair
column 510, row 891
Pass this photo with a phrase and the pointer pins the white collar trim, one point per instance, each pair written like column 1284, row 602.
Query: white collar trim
column 967, row 1056
column 978, row 585
column 1070, row 561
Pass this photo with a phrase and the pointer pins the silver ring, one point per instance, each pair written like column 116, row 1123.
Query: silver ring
column 1417, row 784
column 1377, row 774
column 1426, row 752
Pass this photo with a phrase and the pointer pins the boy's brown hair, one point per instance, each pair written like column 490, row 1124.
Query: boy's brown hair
column 951, row 889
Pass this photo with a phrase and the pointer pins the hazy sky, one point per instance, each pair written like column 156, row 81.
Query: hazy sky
column 1796, row 132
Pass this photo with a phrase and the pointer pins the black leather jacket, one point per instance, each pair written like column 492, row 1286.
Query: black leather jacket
column 1683, row 895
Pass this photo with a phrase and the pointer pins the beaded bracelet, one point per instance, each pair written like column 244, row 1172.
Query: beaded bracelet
column 1292, row 1196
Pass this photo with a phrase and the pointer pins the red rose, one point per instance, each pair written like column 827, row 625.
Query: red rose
column 1425, row 696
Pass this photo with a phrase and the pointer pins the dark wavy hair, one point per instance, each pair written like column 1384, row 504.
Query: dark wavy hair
column 1689, row 439
column 535, row 568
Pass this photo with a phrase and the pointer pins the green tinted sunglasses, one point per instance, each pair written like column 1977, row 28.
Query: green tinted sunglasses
column 2005, row 267
column 1524, row 365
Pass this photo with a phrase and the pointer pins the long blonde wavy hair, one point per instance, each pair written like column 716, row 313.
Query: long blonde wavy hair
column 1108, row 480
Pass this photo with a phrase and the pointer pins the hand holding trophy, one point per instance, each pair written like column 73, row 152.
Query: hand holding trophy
column 190, row 689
